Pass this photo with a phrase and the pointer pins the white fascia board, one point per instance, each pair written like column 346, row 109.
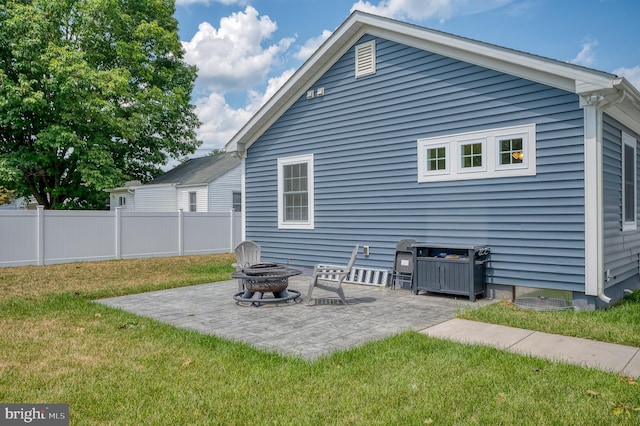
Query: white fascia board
column 122, row 189
column 153, row 186
column 628, row 110
column 585, row 88
column 531, row 67
column 193, row 185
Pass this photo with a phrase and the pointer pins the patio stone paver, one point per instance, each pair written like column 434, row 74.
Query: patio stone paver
column 295, row 328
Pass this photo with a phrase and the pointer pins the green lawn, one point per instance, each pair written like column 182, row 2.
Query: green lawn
column 115, row 368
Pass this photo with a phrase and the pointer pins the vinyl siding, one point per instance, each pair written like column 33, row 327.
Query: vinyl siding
column 363, row 135
column 221, row 190
column 201, row 198
column 114, row 201
column 156, row 198
column 621, row 249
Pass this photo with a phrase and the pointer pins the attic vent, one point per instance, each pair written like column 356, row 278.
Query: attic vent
column 366, row 59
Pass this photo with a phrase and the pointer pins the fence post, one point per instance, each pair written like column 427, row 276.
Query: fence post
column 231, row 228
column 40, row 246
column 118, row 233
column 180, row 232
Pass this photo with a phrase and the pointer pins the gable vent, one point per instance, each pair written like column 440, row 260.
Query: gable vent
column 366, row 59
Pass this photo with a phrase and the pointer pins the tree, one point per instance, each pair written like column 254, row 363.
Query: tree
column 5, row 196
column 92, row 93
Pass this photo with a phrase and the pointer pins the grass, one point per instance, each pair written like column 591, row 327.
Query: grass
column 115, row 368
column 113, row 278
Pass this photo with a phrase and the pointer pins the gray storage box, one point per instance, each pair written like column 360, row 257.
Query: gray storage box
column 452, row 269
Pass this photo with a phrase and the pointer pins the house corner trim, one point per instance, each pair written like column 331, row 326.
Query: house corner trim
column 593, row 196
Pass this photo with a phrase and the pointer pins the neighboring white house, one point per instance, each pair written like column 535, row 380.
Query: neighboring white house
column 206, row 184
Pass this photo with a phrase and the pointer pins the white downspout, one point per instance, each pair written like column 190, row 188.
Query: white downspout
column 243, row 188
column 600, row 192
column 594, row 245
column 594, row 107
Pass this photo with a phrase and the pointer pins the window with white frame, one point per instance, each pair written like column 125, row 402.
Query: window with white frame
column 122, row 201
column 501, row 152
column 193, row 205
column 511, row 151
column 295, row 192
column 437, row 159
column 471, row 155
column 236, row 201
column 629, row 183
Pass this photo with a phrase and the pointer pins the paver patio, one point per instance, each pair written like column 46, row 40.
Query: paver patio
column 295, row 328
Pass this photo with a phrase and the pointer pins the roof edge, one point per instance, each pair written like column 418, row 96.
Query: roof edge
column 570, row 77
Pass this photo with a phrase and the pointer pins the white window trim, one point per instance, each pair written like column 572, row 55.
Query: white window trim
column 423, row 160
column 525, row 143
column 629, row 225
column 491, row 164
column 464, row 142
column 233, row 203
column 310, row 222
column 193, row 205
column 368, row 48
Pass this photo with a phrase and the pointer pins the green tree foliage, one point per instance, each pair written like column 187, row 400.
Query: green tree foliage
column 92, row 93
column 5, row 196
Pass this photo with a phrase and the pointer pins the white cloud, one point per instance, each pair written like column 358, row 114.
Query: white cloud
column 232, row 57
column 428, row 9
column 220, row 121
column 258, row 99
column 631, row 74
column 586, row 57
column 312, row 45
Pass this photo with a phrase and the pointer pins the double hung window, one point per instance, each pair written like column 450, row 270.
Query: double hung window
column 236, row 201
column 629, row 183
column 193, row 205
column 295, row 192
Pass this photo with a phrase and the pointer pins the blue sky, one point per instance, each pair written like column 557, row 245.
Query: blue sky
column 246, row 49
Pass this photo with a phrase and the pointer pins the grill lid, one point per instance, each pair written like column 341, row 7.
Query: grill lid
column 263, row 268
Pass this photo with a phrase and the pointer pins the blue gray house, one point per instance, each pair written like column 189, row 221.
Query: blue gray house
column 393, row 131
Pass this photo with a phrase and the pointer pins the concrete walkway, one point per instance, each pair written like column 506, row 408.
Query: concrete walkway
column 624, row 360
column 372, row 313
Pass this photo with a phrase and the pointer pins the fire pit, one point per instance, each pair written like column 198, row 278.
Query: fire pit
column 264, row 278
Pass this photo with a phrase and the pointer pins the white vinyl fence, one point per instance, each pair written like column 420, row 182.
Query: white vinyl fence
column 42, row 237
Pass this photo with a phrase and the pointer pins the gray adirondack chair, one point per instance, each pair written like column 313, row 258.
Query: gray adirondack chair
column 330, row 277
column 247, row 254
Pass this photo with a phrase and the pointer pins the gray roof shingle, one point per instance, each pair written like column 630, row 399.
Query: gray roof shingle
column 199, row 171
